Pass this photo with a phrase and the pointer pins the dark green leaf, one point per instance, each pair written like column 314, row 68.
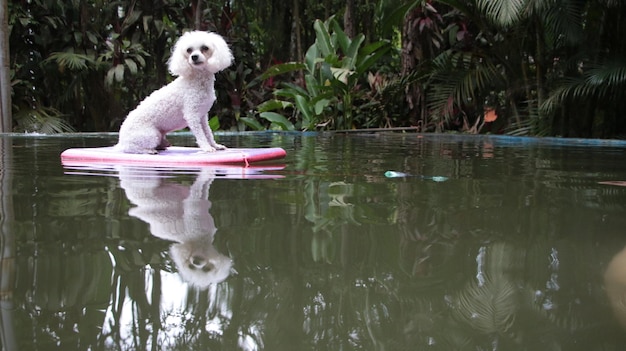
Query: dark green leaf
column 278, row 120
column 323, row 39
column 274, row 104
column 282, row 68
column 214, row 123
column 252, row 123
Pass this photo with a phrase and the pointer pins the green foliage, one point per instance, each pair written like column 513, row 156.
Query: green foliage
column 42, row 120
column 554, row 70
column 332, row 69
column 276, row 121
column 502, row 12
column 133, row 60
column 554, row 67
column 86, row 60
column 599, row 82
column 214, row 123
column 458, row 79
column 71, row 60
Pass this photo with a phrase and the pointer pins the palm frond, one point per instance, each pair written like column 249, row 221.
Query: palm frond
column 70, row 60
column 490, row 304
column 529, row 124
column 504, row 13
column 459, row 77
column 43, row 120
column 600, row 81
column 564, row 21
column 488, row 308
column 611, row 74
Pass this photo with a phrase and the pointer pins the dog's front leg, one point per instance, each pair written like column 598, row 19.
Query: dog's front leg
column 209, row 134
column 204, row 137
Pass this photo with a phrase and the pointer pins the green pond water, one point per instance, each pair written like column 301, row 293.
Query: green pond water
column 521, row 248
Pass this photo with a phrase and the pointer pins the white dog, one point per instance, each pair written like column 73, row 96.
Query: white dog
column 185, row 102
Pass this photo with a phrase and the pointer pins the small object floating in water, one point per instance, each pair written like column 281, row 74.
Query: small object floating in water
column 396, row 174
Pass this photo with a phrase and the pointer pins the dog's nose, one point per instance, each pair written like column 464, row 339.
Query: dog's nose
column 197, row 261
column 194, row 58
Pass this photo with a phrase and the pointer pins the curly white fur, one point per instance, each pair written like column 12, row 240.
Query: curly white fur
column 185, row 102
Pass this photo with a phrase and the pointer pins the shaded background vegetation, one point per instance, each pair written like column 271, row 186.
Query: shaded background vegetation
column 532, row 67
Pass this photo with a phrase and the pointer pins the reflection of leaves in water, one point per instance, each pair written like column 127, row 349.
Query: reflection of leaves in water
column 327, row 204
column 489, row 304
column 322, row 247
column 489, row 308
column 61, row 284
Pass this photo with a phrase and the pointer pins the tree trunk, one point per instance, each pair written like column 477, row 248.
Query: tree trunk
column 5, row 75
column 296, row 39
column 197, row 16
column 412, row 53
column 348, row 19
column 539, row 63
column 327, row 7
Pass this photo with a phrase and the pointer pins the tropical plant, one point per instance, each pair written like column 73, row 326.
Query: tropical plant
column 464, row 67
column 332, row 70
column 41, row 120
column 599, row 88
column 540, row 67
column 548, row 67
column 132, row 61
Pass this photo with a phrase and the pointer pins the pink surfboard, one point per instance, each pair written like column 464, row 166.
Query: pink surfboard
column 174, row 156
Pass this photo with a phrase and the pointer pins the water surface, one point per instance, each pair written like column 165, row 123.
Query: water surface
column 519, row 249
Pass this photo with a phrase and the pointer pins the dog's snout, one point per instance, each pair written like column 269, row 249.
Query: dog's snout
column 197, row 261
column 200, row 263
column 194, row 58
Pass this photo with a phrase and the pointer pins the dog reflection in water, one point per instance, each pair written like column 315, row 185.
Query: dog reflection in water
column 179, row 213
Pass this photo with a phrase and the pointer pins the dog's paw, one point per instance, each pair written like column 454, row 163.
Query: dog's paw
column 145, row 151
column 220, row 147
column 139, row 151
column 207, row 149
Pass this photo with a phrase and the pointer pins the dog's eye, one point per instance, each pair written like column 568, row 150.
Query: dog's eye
column 189, row 51
column 204, row 48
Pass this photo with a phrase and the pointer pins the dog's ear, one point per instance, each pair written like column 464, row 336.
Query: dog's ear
column 177, row 63
column 221, row 57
